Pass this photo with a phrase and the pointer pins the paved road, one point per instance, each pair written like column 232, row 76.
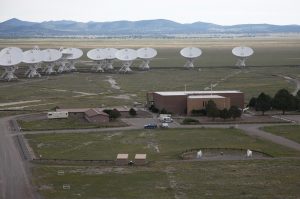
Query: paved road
column 14, row 181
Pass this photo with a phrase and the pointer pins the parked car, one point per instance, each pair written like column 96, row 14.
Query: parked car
column 164, row 125
column 150, row 126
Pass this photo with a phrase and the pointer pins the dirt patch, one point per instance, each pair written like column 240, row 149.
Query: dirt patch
column 17, row 103
column 125, row 97
column 154, row 146
column 109, row 136
column 113, row 83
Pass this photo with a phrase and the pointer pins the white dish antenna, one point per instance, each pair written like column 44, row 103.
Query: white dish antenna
column 111, row 53
column 110, row 57
column 72, row 53
column 98, row 55
column 146, row 54
column 190, row 53
column 34, row 58
column 126, row 56
column 9, row 58
column 69, row 57
column 50, row 56
column 242, row 52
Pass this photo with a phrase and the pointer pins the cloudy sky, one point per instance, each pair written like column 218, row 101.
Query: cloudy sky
column 224, row 12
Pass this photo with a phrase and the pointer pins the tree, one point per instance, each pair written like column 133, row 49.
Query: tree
column 235, row 112
column 163, row 111
column 225, row 114
column 114, row 114
column 263, row 103
column 212, row 110
column 252, row 102
column 283, row 100
column 298, row 94
column 132, row 112
column 153, row 109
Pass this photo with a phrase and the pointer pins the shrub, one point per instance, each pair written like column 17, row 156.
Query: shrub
column 114, row 114
column 235, row 112
column 199, row 112
column 153, row 109
column 190, row 121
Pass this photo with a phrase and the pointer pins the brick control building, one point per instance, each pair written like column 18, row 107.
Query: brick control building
column 183, row 102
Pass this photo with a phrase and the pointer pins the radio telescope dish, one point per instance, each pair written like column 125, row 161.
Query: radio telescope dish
column 98, row 55
column 72, row 53
column 69, row 57
column 190, row 53
column 126, row 56
column 242, row 52
column 146, row 54
column 110, row 57
column 34, row 58
column 9, row 58
column 50, row 56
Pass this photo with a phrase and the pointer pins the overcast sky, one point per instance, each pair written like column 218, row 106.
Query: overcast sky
column 224, row 12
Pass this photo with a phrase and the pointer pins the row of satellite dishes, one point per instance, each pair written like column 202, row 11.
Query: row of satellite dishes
column 103, row 59
column 191, row 53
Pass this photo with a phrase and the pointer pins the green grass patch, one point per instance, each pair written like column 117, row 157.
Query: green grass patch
column 266, row 179
column 291, row 132
column 60, row 124
column 166, row 144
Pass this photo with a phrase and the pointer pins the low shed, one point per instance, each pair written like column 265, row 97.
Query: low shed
column 122, row 159
column 140, row 159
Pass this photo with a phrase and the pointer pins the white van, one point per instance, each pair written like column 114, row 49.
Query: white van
column 57, row 115
column 165, row 118
column 164, row 125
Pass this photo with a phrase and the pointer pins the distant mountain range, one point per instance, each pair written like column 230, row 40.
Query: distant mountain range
column 160, row 27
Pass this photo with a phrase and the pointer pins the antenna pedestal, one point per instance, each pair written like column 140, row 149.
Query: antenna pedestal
column 71, row 66
column 189, row 63
column 98, row 67
column 109, row 64
column 49, row 69
column 145, row 64
column 9, row 75
column 32, row 71
column 126, row 67
column 63, row 67
column 241, row 63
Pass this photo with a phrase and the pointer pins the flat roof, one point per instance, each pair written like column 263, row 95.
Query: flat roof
column 140, row 156
column 180, row 93
column 122, row 156
column 205, row 97
column 73, row 110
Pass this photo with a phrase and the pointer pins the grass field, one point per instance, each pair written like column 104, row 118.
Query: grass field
column 264, row 179
column 290, row 132
column 273, row 56
column 159, row 144
column 59, row 124
column 167, row 176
